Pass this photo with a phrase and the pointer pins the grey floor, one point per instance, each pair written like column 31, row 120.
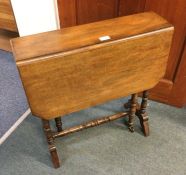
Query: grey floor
column 109, row 149
column 13, row 102
column 105, row 150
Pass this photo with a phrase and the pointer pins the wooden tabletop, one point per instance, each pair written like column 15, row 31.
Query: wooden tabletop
column 72, row 38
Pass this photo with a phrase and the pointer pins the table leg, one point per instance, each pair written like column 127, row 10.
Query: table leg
column 142, row 114
column 50, row 140
column 132, row 111
column 58, row 124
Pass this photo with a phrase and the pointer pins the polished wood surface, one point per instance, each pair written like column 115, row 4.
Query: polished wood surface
column 8, row 28
column 71, row 69
column 178, row 92
column 75, row 12
column 91, row 11
column 69, row 39
column 172, row 10
column 175, row 12
column 67, row 13
column 5, row 37
column 7, row 20
column 87, row 72
column 128, row 7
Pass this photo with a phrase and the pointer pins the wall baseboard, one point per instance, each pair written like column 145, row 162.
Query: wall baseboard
column 16, row 124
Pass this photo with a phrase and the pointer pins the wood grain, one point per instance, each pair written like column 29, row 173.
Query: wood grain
column 67, row 13
column 178, row 93
column 5, row 37
column 91, row 11
column 175, row 12
column 51, row 146
column 72, row 38
column 62, row 78
column 75, row 12
column 128, row 7
column 132, row 111
column 90, row 124
column 7, row 20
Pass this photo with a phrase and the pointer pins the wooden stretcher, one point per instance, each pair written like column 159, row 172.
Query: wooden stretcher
column 71, row 69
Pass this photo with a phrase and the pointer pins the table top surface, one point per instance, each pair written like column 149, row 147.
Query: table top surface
column 71, row 69
column 82, row 36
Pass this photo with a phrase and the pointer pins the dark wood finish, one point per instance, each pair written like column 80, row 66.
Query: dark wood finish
column 140, row 111
column 58, row 124
column 7, row 20
column 71, row 69
column 5, row 37
column 128, row 7
column 106, row 76
column 161, row 91
column 174, row 11
column 142, row 114
column 132, row 112
column 78, row 37
column 128, row 105
column 51, row 146
column 90, row 124
column 91, row 11
column 178, row 92
column 8, row 28
column 67, row 13
column 75, row 12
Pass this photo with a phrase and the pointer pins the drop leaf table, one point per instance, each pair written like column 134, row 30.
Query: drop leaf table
column 74, row 68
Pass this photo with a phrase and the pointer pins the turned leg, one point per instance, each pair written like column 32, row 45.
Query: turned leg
column 58, row 124
column 142, row 114
column 128, row 105
column 50, row 140
column 132, row 111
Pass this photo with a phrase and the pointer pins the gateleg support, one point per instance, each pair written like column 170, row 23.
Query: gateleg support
column 142, row 114
column 132, row 111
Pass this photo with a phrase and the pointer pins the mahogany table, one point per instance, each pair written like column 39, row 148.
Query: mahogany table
column 71, row 69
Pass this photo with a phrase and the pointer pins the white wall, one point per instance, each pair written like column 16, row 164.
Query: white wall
column 35, row 16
